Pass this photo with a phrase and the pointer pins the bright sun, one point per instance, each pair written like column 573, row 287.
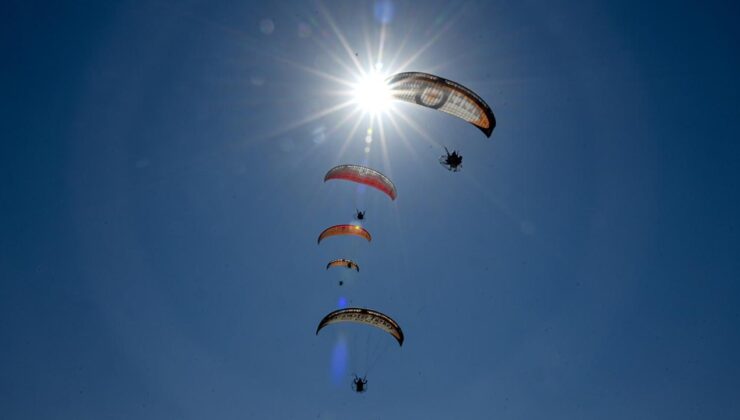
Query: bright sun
column 372, row 93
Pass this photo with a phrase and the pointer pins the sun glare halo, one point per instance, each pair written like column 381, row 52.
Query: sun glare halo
column 372, row 94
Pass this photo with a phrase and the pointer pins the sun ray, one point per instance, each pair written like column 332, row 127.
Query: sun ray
column 420, row 51
column 368, row 47
column 316, row 72
column 343, row 121
column 401, row 46
column 432, row 41
column 449, row 61
column 335, row 58
column 348, row 139
column 340, row 36
column 337, row 92
column 381, row 43
column 309, row 119
column 384, row 150
column 404, row 140
column 252, row 44
column 424, row 135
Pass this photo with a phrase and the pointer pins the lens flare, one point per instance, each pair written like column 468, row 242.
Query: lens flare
column 372, row 93
column 339, row 358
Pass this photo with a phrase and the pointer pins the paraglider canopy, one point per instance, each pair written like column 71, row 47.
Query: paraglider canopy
column 345, row 230
column 364, row 316
column 445, row 95
column 363, row 175
column 343, row 262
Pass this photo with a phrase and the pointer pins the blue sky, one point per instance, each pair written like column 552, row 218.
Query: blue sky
column 161, row 193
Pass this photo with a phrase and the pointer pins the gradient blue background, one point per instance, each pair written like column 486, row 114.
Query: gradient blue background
column 160, row 204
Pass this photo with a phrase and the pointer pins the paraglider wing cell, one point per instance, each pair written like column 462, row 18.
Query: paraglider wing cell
column 363, row 175
column 345, row 230
column 364, row 316
column 343, row 262
column 445, row 95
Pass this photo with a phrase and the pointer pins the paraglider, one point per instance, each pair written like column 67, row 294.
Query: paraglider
column 363, row 175
column 359, row 215
column 368, row 317
column 358, row 384
column 445, row 95
column 451, row 161
column 345, row 230
column 343, row 262
column 364, row 316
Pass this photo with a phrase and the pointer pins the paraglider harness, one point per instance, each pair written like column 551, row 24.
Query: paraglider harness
column 451, row 161
column 358, row 384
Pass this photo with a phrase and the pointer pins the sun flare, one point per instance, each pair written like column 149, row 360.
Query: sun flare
column 362, row 80
column 372, row 94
